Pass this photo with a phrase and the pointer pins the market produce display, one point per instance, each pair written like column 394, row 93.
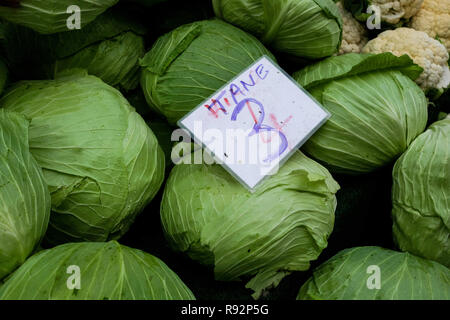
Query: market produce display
column 108, row 48
column 405, row 277
column 98, row 198
column 303, row 28
column 101, row 162
column 433, row 18
column 136, row 275
column 361, row 137
column 50, row 16
column 278, row 229
column 25, row 199
column 425, row 51
column 354, row 35
column 420, row 212
column 392, row 12
column 189, row 64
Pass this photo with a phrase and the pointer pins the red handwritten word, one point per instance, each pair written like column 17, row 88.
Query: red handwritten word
column 213, row 112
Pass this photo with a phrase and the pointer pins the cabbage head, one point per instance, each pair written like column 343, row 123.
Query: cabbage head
column 376, row 109
column 189, row 64
column 264, row 235
column 100, row 160
column 94, row 271
column 50, row 16
column 421, row 195
column 374, row 273
column 24, row 196
column 108, row 48
column 302, row 28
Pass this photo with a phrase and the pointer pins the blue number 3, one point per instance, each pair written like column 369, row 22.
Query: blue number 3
column 260, row 127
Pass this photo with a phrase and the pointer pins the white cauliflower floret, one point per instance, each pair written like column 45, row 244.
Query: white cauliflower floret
column 434, row 19
column 392, row 11
column 354, row 36
column 425, row 51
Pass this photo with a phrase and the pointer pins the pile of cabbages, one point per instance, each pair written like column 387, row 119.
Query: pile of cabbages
column 91, row 203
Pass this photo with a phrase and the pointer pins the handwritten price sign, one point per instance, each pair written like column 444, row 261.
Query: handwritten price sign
column 255, row 122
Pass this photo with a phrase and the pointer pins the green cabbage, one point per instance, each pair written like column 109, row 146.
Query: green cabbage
column 377, row 110
column 108, row 48
column 24, row 197
column 191, row 63
column 303, row 28
column 50, row 16
column 280, row 228
column 352, row 273
column 421, row 195
column 107, row 271
column 101, row 161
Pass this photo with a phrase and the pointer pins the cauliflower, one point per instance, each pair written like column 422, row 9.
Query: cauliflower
column 354, row 35
column 434, row 19
column 425, row 51
column 392, row 11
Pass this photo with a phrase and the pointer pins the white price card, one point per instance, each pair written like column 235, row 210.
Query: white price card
column 255, row 122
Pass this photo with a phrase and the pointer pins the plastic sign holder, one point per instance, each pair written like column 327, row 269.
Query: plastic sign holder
column 253, row 124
